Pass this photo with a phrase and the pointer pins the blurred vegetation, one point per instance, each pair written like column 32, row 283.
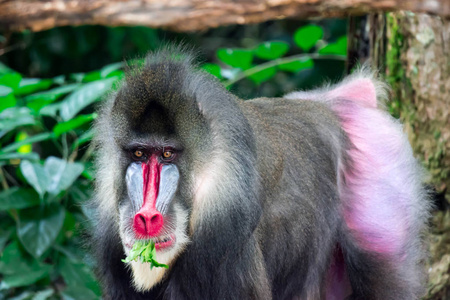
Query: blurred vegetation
column 69, row 50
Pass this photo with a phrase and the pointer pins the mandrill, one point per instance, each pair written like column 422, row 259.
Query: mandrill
column 315, row 195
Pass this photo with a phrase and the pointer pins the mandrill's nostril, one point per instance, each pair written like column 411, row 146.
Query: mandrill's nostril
column 155, row 219
column 142, row 220
column 148, row 223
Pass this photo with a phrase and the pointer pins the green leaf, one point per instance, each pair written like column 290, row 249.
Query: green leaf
column 70, row 252
column 117, row 73
column 156, row 264
column 25, row 295
column 55, row 176
column 68, row 228
column 138, row 248
column 84, row 96
column 307, row 36
column 39, row 100
column 78, row 77
column 78, row 275
column 28, row 156
column 146, row 252
column 72, row 124
column 33, row 139
column 38, row 228
column 18, row 198
column 5, row 69
column 92, row 76
column 55, row 93
column 230, row 73
column 59, row 80
column 88, row 174
column 31, row 85
column 11, row 80
column 51, row 110
column 263, row 75
column 297, row 65
column 7, row 98
column 18, row 269
column 137, row 62
column 43, row 295
column 80, row 192
column 84, row 138
column 13, row 261
column 109, row 69
column 27, row 148
column 339, row 48
column 17, row 280
column 24, row 279
column 36, row 176
column 78, row 292
column 213, row 69
column 5, row 234
column 271, row 50
column 237, row 58
column 61, row 174
column 14, row 117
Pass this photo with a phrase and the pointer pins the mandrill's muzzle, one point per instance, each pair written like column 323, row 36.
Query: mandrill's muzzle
column 151, row 187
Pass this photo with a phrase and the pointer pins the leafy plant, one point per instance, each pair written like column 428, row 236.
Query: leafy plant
column 240, row 63
column 144, row 251
column 307, row 36
column 45, row 178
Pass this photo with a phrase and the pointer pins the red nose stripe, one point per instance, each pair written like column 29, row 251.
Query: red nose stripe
column 150, row 172
column 148, row 222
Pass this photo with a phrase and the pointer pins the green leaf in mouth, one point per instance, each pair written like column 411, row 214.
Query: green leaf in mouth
column 146, row 252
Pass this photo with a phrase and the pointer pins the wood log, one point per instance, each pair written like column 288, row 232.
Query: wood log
column 191, row 15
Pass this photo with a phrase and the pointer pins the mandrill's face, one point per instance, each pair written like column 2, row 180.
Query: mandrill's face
column 149, row 209
column 158, row 153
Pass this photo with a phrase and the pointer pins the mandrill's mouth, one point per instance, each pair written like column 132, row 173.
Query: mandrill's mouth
column 164, row 242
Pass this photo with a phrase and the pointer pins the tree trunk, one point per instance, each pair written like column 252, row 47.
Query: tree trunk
column 413, row 53
column 418, row 69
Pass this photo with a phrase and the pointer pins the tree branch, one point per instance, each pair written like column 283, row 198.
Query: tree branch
column 191, row 15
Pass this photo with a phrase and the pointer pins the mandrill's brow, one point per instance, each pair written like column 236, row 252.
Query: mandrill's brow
column 152, row 145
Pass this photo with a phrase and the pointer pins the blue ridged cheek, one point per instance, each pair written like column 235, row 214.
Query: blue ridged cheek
column 135, row 185
column 167, row 187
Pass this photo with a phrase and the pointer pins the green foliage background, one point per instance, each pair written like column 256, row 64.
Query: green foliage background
column 50, row 85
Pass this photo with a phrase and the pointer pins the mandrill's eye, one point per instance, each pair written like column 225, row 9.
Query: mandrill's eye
column 138, row 154
column 167, row 155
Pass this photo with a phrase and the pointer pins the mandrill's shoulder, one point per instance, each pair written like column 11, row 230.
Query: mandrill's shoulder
column 282, row 126
column 294, row 116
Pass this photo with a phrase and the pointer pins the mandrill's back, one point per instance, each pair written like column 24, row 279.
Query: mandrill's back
column 301, row 145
